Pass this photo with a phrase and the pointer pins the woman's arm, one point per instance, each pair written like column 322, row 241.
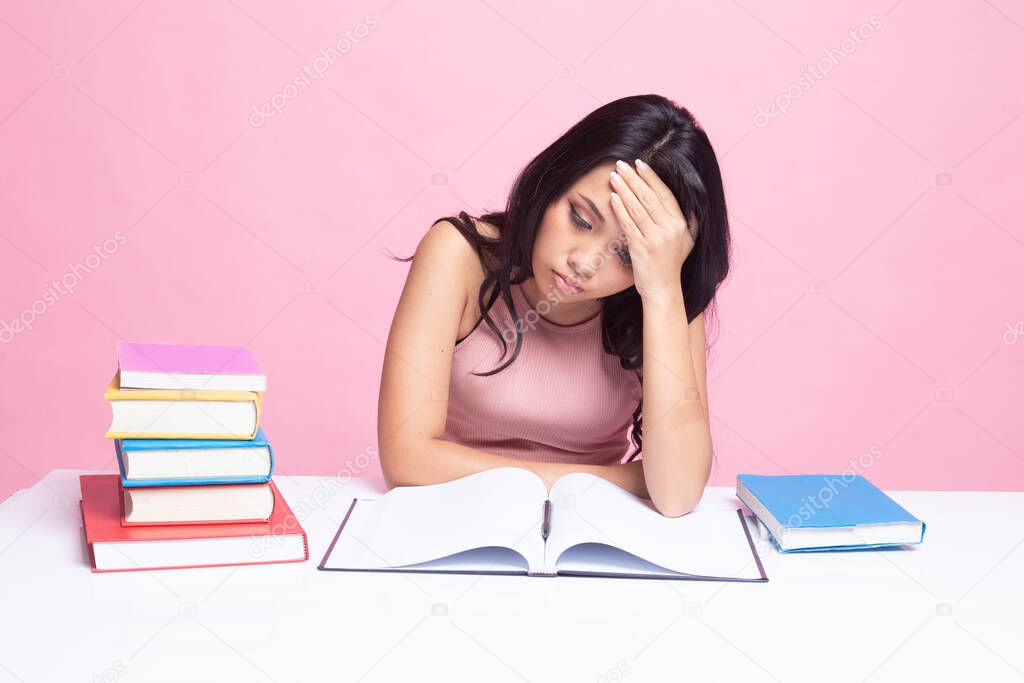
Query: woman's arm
column 676, row 432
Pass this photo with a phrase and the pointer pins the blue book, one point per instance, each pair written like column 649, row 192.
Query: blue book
column 805, row 512
column 187, row 462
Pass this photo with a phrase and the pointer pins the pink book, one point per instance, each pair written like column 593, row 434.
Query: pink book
column 188, row 366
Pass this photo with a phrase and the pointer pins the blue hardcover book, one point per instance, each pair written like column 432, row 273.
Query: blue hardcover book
column 805, row 512
column 188, row 462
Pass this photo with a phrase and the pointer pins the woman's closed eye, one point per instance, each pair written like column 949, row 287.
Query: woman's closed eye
column 583, row 225
column 578, row 219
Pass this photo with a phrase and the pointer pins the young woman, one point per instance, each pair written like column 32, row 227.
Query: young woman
column 592, row 286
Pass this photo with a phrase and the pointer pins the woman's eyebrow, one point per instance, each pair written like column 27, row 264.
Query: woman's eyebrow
column 592, row 205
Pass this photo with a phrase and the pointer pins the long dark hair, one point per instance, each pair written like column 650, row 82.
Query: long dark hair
column 647, row 127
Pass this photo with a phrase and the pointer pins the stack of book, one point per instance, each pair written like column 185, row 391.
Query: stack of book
column 195, row 487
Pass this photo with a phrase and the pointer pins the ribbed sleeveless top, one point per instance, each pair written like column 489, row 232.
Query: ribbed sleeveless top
column 563, row 399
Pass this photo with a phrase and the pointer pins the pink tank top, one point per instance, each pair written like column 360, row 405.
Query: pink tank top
column 563, row 399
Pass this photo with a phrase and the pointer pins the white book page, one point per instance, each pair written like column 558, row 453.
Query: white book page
column 409, row 525
column 139, row 379
column 143, row 417
column 604, row 559
column 196, row 462
column 197, row 503
column 478, row 560
column 587, row 509
column 190, row 552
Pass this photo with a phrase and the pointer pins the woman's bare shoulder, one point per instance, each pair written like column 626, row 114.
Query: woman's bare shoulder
column 464, row 254
column 468, row 264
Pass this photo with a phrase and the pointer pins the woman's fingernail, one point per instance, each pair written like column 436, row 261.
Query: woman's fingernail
column 641, row 164
column 622, row 164
column 616, row 178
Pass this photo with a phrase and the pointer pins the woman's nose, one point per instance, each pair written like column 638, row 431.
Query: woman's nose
column 583, row 269
column 581, row 272
column 587, row 267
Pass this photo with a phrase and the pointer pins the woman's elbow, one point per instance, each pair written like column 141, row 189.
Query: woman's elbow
column 677, row 504
column 392, row 478
column 395, row 466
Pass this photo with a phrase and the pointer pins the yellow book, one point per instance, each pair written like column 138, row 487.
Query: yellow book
column 182, row 413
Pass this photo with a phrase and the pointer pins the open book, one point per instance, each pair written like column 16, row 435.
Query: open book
column 504, row 521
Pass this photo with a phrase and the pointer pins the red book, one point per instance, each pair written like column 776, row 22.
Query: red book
column 113, row 547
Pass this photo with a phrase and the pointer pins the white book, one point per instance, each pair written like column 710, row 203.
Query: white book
column 193, row 504
column 197, row 463
column 182, row 419
column 504, row 521
column 181, row 413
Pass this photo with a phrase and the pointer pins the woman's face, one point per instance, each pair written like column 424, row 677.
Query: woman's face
column 580, row 240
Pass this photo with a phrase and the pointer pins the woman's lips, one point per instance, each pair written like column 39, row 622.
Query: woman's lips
column 564, row 285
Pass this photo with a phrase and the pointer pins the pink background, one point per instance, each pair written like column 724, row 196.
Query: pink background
column 876, row 297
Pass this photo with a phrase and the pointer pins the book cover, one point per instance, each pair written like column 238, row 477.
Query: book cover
column 187, row 359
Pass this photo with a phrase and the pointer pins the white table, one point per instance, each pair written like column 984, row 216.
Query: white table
column 950, row 609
